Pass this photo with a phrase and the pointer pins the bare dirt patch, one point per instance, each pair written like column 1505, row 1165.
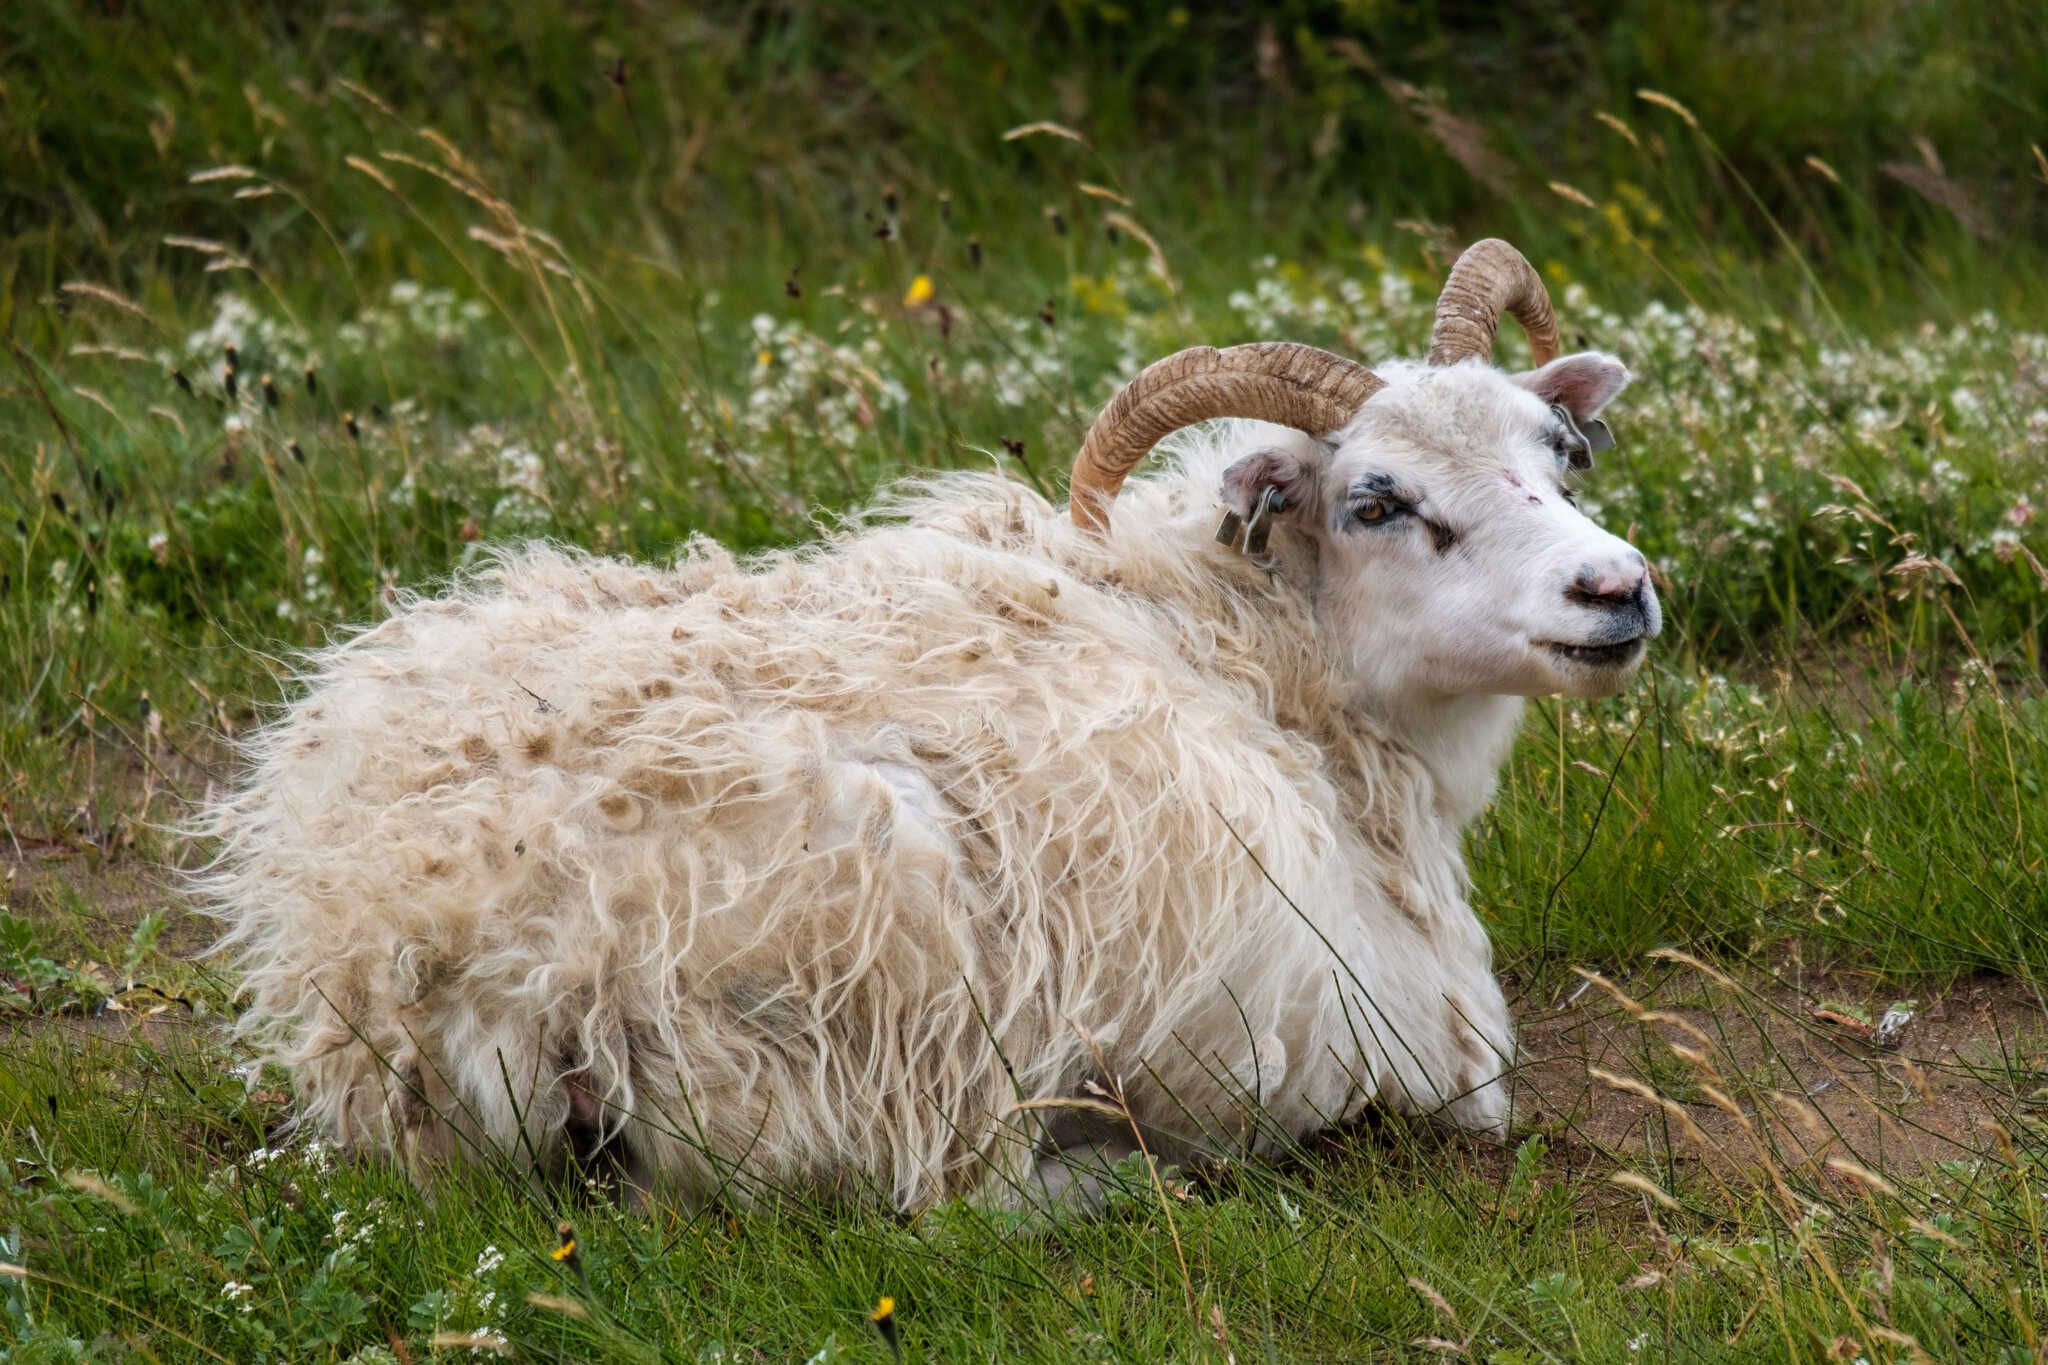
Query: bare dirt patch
column 1684, row 1071
column 87, row 973
column 94, row 894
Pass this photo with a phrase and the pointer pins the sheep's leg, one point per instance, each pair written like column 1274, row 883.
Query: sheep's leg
column 1074, row 1180
column 597, row 1148
column 1069, row 1171
column 1465, row 1045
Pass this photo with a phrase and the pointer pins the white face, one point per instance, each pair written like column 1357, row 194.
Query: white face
column 1448, row 555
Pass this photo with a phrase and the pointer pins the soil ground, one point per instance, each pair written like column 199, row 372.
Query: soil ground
column 1784, row 1073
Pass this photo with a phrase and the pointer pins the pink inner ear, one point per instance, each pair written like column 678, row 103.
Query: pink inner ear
column 1583, row 383
column 1253, row 474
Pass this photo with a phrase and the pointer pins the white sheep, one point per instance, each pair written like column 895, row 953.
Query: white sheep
column 842, row 868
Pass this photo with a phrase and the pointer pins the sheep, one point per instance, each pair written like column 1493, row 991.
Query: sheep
column 871, row 867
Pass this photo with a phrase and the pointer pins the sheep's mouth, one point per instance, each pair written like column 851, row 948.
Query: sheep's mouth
column 1613, row 655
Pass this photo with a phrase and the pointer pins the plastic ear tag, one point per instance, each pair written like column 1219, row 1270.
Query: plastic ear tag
column 1229, row 528
column 1261, row 524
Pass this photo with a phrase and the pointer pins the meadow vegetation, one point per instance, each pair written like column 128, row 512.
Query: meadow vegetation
column 306, row 313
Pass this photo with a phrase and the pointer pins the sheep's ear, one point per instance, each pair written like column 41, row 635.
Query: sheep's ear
column 1293, row 472
column 1581, row 384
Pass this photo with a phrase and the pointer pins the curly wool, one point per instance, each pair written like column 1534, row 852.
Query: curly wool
column 808, row 869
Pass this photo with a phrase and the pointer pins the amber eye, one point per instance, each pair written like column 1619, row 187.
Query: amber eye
column 1372, row 510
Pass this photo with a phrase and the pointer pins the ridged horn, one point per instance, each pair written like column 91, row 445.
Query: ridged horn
column 1490, row 279
column 1274, row 381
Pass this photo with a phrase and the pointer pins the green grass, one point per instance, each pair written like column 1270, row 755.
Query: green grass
column 1720, row 816
column 539, row 302
column 183, row 1230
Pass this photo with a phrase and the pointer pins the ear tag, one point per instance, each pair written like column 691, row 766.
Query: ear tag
column 1228, row 529
column 1261, row 524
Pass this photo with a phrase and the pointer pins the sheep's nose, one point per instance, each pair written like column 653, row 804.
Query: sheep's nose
column 1621, row 586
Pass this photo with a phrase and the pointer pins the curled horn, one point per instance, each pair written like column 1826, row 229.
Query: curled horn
column 1490, row 279
column 1274, row 381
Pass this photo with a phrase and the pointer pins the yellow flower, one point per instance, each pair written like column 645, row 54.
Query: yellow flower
column 1099, row 296
column 920, row 292
column 764, row 357
column 884, row 1318
column 565, row 1252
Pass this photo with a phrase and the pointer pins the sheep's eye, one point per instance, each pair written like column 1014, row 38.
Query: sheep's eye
column 1375, row 500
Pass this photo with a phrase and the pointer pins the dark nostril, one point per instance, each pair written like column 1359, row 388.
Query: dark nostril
column 1608, row 590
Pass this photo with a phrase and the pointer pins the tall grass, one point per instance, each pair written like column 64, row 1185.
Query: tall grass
column 738, row 141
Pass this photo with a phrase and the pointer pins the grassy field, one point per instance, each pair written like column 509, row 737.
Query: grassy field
column 302, row 312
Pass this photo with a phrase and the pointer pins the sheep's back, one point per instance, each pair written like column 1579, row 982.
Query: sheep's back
column 867, row 838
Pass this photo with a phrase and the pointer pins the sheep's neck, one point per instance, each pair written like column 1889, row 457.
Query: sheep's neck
column 1272, row 639
column 1462, row 740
